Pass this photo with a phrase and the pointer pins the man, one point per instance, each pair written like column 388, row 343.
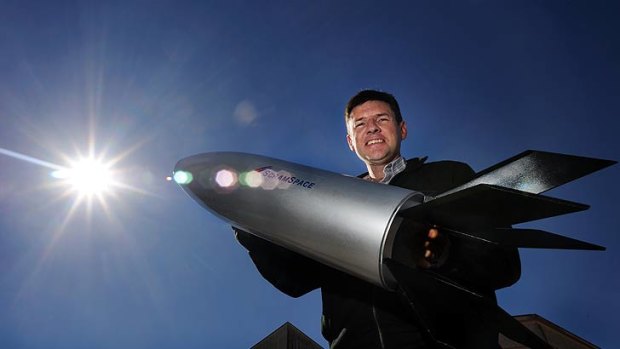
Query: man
column 357, row 314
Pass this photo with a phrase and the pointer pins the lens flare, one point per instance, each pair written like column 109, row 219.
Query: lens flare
column 253, row 179
column 182, row 177
column 226, row 178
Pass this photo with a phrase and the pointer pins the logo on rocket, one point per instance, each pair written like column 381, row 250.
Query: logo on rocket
column 284, row 177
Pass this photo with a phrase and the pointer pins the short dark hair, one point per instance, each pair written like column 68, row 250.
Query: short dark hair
column 373, row 95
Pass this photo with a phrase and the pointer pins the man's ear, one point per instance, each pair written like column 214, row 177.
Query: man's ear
column 350, row 143
column 403, row 130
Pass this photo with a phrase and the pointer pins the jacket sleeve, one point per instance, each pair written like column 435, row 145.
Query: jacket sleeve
column 479, row 265
column 290, row 272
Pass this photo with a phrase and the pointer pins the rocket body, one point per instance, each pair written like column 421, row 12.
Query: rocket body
column 344, row 222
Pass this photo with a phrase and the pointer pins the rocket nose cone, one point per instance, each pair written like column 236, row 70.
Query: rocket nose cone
column 205, row 177
column 211, row 170
column 187, row 169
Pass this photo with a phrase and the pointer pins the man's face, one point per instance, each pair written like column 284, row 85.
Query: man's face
column 373, row 134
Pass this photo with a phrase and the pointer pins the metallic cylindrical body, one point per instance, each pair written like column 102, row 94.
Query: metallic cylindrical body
column 342, row 221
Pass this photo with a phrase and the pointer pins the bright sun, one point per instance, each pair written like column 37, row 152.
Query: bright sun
column 88, row 177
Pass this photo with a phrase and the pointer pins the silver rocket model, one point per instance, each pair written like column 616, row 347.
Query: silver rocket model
column 352, row 225
column 344, row 222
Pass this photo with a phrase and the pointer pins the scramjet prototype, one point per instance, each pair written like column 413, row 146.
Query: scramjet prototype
column 351, row 224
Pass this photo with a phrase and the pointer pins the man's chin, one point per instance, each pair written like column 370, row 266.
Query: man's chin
column 378, row 160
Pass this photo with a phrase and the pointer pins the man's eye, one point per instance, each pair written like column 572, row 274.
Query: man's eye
column 358, row 124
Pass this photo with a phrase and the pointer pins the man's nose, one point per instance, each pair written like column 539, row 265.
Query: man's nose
column 372, row 127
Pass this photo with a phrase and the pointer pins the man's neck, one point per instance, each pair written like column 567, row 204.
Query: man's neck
column 375, row 172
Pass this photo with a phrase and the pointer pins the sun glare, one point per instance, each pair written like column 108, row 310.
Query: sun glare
column 87, row 177
column 90, row 180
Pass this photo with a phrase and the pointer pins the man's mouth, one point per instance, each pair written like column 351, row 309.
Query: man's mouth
column 375, row 141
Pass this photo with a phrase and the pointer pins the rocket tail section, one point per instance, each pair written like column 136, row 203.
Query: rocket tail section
column 486, row 212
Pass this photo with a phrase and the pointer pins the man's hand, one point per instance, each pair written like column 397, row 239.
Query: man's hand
column 436, row 246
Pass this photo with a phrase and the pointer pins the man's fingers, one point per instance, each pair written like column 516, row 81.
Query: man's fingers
column 434, row 245
column 433, row 233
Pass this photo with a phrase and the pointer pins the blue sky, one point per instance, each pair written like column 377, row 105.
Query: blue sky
column 150, row 82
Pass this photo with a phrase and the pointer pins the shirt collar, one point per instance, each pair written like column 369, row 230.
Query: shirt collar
column 390, row 170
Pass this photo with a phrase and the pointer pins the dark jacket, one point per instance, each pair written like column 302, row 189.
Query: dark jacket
column 357, row 314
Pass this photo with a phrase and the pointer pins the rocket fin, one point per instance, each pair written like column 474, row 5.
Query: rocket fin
column 484, row 206
column 527, row 238
column 536, row 171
